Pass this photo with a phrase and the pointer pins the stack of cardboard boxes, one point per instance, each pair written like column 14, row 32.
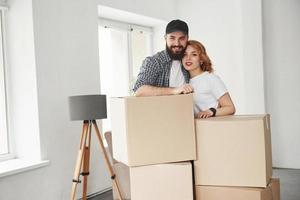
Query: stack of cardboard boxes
column 154, row 141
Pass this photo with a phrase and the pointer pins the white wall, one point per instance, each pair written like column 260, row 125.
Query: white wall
column 282, row 69
column 231, row 32
column 150, row 8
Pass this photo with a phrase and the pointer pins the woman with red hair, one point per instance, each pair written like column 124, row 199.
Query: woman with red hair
column 211, row 97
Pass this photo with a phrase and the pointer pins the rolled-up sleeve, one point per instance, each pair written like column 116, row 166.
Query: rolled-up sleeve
column 148, row 74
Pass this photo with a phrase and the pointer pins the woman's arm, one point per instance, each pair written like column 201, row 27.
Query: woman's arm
column 226, row 106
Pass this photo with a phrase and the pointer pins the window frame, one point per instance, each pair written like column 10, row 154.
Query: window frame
column 3, row 75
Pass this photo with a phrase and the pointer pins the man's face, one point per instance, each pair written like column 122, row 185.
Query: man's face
column 176, row 44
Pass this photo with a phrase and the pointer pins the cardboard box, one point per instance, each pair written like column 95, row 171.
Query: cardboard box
column 233, row 151
column 123, row 178
column 153, row 130
column 172, row 181
column 272, row 192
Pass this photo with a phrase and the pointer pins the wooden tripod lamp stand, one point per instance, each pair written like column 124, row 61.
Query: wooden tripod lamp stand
column 88, row 108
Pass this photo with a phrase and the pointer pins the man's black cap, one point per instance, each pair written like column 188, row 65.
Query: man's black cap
column 177, row 25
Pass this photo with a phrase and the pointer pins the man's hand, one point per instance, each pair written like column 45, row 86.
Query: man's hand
column 204, row 114
column 184, row 89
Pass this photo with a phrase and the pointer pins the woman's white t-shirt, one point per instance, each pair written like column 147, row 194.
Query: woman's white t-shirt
column 208, row 88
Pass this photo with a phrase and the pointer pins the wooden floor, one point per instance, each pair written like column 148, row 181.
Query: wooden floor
column 289, row 185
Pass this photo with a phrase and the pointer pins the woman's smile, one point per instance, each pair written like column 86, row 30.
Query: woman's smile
column 188, row 63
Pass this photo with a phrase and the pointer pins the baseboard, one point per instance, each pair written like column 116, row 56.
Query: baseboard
column 286, row 168
column 102, row 193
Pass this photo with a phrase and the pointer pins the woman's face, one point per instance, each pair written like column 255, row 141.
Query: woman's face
column 191, row 58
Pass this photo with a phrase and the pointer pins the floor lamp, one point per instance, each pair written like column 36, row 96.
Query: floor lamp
column 88, row 108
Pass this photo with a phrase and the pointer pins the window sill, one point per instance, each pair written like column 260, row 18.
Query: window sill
column 15, row 166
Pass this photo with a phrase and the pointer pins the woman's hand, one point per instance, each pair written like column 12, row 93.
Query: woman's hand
column 184, row 89
column 204, row 114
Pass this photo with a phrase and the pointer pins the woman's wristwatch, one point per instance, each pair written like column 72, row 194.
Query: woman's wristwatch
column 214, row 111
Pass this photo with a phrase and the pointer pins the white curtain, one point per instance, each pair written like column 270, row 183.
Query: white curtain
column 114, row 75
column 113, row 49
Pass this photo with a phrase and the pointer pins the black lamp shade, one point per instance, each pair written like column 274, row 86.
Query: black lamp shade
column 87, row 107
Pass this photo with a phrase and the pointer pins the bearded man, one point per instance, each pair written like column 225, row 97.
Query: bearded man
column 163, row 73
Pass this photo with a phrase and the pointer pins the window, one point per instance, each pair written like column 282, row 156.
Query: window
column 122, row 49
column 4, row 142
column 18, row 151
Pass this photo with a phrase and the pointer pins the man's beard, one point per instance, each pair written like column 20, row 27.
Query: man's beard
column 178, row 55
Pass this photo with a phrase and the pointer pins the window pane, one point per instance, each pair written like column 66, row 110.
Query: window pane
column 114, row 77
column 141, row 48
column 113, row 49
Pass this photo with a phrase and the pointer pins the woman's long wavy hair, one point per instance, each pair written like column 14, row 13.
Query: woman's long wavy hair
column 205, row 63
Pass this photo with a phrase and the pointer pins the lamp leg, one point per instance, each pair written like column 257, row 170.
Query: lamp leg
column 79, row 160
column 86, row 162
column 108, row 164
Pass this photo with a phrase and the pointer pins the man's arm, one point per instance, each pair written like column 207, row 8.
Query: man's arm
column 148, row 90
column 148, row 74
column 146, row 81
